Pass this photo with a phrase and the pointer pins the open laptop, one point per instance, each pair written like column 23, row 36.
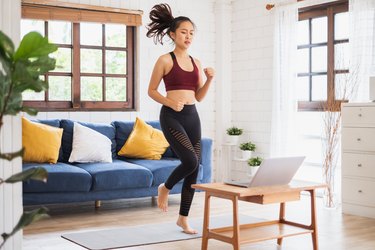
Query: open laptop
column 272, row 171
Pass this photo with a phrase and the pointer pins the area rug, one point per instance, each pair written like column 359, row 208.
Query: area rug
column 146, row 234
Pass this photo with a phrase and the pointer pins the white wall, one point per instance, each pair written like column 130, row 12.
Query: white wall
column 203, row 48
column 10, row 140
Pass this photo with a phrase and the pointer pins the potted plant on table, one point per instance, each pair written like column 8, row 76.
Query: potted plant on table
column 254, row 164
column 233, row 135
column 20, row 70
column 247, row 148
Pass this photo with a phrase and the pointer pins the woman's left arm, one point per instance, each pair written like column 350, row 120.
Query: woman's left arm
column 202, row 89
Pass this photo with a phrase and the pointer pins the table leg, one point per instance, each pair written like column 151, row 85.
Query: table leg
column 206, row 221
column 314, row 227
column 281, row 219
column 236, row 225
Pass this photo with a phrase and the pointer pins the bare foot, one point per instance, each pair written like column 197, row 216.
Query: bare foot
column 163, row 197
column 183, row 223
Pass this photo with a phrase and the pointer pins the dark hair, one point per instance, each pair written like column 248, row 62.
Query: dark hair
column 163, row 22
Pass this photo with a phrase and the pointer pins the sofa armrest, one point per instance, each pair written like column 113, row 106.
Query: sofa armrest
column 206, row 159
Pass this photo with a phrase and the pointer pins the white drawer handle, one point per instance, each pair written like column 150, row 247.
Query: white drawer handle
column 360, row 191
column 358, row 139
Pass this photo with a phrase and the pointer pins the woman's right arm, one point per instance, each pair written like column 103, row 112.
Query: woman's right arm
column 157, row 75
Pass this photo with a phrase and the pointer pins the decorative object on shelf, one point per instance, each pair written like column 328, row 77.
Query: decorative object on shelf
column 254, row 164
column 247, row 148
column 20, row 70
column 233, row 135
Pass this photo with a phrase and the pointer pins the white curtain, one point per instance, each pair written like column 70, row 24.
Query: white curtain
column 284, row 107
column 362, row 44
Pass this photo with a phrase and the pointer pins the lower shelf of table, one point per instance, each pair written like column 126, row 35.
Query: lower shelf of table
column 258, row 232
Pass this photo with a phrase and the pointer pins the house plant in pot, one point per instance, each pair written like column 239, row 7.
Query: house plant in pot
column 233, row 135
column 254, row 164
column 246, row 149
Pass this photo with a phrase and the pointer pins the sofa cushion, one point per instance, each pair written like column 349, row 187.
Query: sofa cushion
column 144, row 142
column 124, row 128
column 161, row 169
column 53, row 123
column 117, row 175
column 61, row 178
column 67, row 138
column 41, row 142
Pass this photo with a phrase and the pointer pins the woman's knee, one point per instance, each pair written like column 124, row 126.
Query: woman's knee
column 191, row 162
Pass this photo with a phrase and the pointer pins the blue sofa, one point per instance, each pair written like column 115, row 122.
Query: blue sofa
column 123, row 178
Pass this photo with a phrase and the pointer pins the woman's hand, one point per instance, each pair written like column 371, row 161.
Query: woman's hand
column 210, row 73
column 176, row 105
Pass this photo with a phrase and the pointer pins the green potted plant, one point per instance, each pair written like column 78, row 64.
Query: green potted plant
column 254, row 164
column 247, row 148
column 233, row 135
column 20, row 70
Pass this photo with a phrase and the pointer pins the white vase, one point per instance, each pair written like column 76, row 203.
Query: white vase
column 252, row 170
column 232, row 139
column 246, row 154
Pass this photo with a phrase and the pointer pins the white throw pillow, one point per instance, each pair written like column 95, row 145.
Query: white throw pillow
column 89, row 145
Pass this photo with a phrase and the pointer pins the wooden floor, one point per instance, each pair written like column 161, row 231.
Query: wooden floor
column 336, row 231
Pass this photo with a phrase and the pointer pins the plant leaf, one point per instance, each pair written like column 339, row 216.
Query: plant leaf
column 32, row 45
column 11, row 156
column 30, row 111
column 6, row 47
column 37, row 173
column 26, row 219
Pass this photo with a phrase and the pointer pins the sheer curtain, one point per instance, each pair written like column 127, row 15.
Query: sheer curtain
column 284, row 107
column 362, row 44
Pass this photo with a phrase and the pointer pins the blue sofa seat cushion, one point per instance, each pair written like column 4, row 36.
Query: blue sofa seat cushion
column 161, row 169
column 61, row 178
column 124, row 128
column 67, row 138
column 117, row 175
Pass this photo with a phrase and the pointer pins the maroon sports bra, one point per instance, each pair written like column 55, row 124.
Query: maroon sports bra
column 178, row 78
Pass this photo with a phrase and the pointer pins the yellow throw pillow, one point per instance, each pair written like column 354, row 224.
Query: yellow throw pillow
column 144, row 142
column 41, row 142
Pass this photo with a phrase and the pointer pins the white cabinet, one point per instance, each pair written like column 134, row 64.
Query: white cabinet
column 358, row 159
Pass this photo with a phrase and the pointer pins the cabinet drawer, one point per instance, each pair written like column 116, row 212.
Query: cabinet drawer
column 358, row 139
column 352, row 116
column 360, row 165
column 358, row 191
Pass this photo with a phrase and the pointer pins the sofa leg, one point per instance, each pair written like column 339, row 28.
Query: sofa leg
column 153, row 200
column 98, row 204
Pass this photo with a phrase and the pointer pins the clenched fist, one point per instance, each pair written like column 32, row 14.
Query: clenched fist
column 210, row 73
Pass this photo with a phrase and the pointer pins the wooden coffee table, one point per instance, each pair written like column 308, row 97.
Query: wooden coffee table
column 254, row 232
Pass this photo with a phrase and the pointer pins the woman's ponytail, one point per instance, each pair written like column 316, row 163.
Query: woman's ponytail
column 161, row 20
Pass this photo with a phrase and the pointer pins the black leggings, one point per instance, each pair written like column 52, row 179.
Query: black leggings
column 183, row 132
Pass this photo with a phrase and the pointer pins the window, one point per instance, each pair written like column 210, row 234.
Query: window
column 323, row 50
column 94, row 61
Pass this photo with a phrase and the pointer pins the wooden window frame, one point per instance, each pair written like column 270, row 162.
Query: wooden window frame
column 328, row 10
column 47, row 10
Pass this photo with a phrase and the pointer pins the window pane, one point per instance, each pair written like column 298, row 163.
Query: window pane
column 30, row 95
column 115, row 62
column 319, row 30
column 63, row 58
column 303, row 32
column 303, row 89
column 59, row 88
column 115, row 35
column 342, row 54
column 91, row 34
column 303, row 61
column 60, row 32
column 115, row 89
column 91, row 61
column 319, row 88
column 342, row 26
column 28, row 25
column 319, row 59
column 344, row 87
column 91, row 89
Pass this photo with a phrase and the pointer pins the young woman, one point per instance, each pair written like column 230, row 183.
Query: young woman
column 178, row 116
